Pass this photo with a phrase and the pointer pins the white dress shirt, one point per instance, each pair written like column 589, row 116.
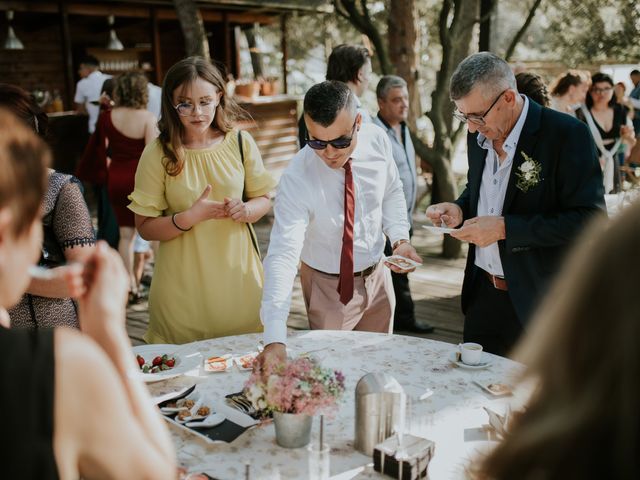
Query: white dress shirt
column 89, row 90
column 493, row 188
column 309, row 220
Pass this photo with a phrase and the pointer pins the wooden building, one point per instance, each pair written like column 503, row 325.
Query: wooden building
column 56, row 34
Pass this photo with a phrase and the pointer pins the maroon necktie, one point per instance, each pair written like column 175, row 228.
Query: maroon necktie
column 345, row 283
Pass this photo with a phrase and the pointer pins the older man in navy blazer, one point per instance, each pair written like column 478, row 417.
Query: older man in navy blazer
column 534, row 182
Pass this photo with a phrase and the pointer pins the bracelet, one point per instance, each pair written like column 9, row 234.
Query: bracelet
column 248, row 212
column 398, row 243
column 173, row 220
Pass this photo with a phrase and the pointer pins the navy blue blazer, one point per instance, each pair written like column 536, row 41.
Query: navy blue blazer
column 542, row 223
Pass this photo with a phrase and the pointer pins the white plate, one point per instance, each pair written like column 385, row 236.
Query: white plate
column 434, row 229
column 484, row 362
column 184, row 363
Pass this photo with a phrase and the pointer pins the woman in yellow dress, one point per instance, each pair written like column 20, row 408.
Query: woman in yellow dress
column 198, row 188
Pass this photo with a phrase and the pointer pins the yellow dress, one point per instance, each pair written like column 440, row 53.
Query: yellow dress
column 207, row 282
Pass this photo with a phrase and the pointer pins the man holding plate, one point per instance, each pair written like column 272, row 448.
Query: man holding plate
column 534, row 181
column 336, row 200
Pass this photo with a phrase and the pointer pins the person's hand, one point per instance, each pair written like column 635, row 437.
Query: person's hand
column 103, row 304
column 238, row 210
column 273, row 355
column 482, row 231
column 447, row 212
column 72, row 278
column 628, row 134
column 204, row 209
column 405, row 250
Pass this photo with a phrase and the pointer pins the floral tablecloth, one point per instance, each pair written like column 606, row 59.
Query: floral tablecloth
column 452, row 416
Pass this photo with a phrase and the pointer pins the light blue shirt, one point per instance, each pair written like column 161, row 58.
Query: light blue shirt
column 493, row 189
column 404, row 155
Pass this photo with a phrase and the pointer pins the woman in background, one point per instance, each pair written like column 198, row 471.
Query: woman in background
column 68, row 235
column 569, row 91
column 609, row 125
column 198, row 188
column 532, row 85
column 124, row 131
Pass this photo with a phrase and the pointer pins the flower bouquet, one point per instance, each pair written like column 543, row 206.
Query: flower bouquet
column 293, row 392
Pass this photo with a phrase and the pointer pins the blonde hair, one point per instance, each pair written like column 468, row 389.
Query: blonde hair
column 23, row 171
column 130, row 90
column 583, row 420
column 181, row 75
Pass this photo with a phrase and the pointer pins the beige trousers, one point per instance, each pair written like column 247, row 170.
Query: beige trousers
column 371, row 308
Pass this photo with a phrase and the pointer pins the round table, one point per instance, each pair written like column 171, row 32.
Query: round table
column 452, row 416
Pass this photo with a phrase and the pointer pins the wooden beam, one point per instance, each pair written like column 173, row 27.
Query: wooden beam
column 226, row 35
column 155, row 46
column 283, row 47
column 67, row 54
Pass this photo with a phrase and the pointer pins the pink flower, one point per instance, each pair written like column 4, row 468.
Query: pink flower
column 298, row 386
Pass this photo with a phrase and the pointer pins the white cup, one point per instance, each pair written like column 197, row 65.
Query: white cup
column 470, row 353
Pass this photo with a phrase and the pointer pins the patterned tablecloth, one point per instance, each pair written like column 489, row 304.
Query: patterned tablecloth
column 452, row 416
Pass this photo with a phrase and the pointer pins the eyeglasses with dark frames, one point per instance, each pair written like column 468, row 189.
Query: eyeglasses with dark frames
column 340, row 143
column 186, row 109
column 477, row 119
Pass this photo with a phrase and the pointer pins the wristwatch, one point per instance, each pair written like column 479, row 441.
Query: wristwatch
column 397, row 243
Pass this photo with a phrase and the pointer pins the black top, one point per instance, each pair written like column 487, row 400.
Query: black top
column 26, row 404
column 619, row 119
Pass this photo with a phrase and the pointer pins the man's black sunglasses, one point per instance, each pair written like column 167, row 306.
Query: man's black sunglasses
column 339, row 143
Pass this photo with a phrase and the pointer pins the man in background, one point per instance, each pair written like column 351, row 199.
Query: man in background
column 393, row 104
column 89, row 89
column 349, row 64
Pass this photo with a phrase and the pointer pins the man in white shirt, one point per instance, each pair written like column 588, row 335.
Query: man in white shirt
column 336, row 200
column 89, row 88
column 350, row 64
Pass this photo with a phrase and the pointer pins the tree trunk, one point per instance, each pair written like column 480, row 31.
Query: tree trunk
column 404, row 50
column 455, row 31
column 256, row 55
column 195, row 38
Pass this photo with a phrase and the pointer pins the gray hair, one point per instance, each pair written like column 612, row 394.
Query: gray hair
column 388, row 82
column 482, row 69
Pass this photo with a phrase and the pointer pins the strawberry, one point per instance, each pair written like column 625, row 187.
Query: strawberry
column 170, row 362
column 157, row 361
column 140, row 360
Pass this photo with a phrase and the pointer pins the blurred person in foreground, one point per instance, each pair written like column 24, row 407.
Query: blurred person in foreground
column 582, row 353
column 72, row 405
column 534, row 182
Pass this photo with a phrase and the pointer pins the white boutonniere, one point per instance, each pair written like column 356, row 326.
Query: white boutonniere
column 528, row 173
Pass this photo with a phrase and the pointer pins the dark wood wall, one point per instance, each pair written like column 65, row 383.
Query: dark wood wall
column 40, row 65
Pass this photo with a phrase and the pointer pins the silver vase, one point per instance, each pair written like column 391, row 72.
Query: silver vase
column 292, row 430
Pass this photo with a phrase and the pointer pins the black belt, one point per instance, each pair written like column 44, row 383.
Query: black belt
column 364, row 273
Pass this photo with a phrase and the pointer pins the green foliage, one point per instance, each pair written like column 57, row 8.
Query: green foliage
column 592, row 31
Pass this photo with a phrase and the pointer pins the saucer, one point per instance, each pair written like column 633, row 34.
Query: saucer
column 485, row 361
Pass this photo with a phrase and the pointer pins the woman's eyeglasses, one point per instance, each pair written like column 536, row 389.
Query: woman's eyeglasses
column 187, row 109
column 601, row 90
column 339, row 143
